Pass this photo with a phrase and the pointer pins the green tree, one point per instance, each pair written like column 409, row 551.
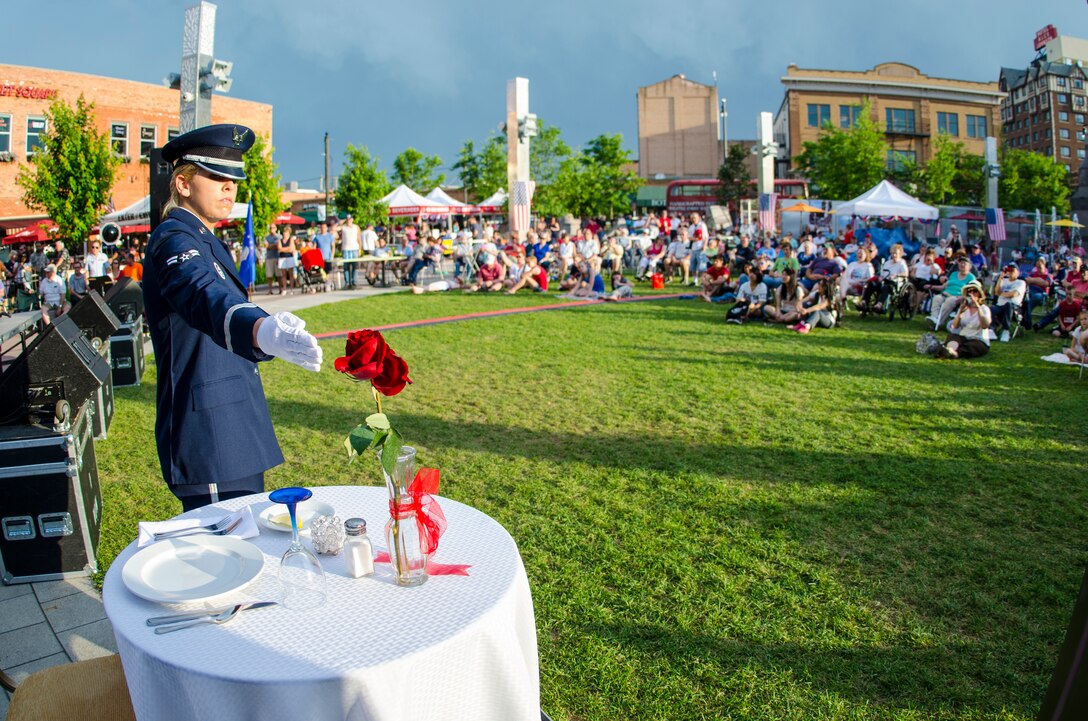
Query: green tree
column 1030, row 181
column 262, row 185
column 936, row 179
column 845, row 163
column 362, row 186
column 969, row 182
column 736, row 181
column 597, row 182
column 484, row 172
column 417, row 171
column 71, row 176
column 547, row 153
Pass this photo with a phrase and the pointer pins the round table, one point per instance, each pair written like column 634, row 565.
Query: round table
column 454, row 648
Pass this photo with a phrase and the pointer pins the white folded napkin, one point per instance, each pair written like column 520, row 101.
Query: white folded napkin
column 246, row 529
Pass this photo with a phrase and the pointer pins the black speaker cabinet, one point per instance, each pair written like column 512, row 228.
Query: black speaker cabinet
column 103, row 402
column 160, row 186
column 94, row 318
column 127, row 355
column 59, row 364
column 50, row 502
column 126, row 299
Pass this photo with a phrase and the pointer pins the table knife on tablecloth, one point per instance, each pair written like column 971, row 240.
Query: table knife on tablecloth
column 191, row 615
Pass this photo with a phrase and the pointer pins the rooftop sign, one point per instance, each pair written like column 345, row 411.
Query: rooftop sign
column 1044, row 36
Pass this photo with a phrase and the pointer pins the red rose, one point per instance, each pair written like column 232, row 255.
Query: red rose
column 393, row 377
column 365, row 351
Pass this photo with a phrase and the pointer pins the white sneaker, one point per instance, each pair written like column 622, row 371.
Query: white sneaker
column 991, row 335
column 1004, row 336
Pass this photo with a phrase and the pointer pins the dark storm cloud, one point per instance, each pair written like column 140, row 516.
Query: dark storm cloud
column 431, row 75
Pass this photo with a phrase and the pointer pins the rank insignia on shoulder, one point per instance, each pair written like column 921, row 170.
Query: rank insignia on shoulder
column 183, row 256
column 219, row 270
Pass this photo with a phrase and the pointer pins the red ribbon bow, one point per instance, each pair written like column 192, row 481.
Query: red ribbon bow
column 430, row 520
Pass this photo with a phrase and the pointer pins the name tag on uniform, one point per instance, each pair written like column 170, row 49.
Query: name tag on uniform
column 219, row 270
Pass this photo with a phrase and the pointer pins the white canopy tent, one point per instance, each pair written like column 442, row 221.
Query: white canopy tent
column 405, row 201
column 494, row 203
column 885, row 199
column 456, row 206
column 139, row 213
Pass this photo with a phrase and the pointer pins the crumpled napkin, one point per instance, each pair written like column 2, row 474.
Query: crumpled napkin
column 246, row 529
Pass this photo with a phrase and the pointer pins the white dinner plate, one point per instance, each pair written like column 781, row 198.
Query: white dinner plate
column 276, row 518
column 192, row 568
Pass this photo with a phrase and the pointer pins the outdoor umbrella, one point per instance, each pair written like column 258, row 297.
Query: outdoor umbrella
column 803, row 208
column 1065, row 223
column 37, row 233
column 289, row 219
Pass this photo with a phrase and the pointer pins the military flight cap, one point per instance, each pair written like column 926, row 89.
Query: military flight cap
column 217, row 149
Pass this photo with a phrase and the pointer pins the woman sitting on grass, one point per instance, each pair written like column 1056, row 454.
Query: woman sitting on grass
column 856, row 275
column 751, row 297
column 787, row 300
column 818, row 307
column 968, row 335
column 1077, row 352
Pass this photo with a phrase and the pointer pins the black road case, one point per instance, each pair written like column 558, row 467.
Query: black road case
column 127, row 354
column 50, row 501
column 103, row 401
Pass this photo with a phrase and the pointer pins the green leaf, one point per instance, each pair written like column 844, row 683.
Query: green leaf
column 378, row 440
column 378, row 421
column 390, row 451
column 360, row 439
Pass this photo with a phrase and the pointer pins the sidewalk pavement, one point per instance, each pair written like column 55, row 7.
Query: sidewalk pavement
column 55, row 622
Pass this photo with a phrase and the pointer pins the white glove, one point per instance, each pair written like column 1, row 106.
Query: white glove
column 283, row 335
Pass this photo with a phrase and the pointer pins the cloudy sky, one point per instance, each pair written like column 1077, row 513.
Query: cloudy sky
column 430, row 75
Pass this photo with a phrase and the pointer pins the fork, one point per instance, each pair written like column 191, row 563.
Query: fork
column 217, row 619
column 223, row 526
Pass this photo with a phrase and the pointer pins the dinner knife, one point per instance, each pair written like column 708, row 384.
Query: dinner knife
column 191, row 615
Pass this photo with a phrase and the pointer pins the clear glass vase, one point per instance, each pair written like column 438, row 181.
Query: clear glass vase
column 402, row 536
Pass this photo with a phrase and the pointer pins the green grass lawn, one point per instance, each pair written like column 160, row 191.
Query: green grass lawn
column 720, row 522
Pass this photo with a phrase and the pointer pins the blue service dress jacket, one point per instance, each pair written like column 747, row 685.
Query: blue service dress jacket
column 212, row 423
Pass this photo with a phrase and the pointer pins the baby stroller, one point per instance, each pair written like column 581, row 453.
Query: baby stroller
column 311, row 275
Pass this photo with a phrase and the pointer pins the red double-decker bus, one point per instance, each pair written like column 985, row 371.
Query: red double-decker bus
column 695, row 196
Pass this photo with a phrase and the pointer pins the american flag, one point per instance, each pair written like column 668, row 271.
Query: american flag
column 766, row 211
column 521, row 199
column 995, row 223
column 109, row 206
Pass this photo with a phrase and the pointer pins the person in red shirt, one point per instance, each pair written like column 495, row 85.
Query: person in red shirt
column 715, row 277
column 489, row 277
column 534, row 276
column 132, row 268
column 665, row 223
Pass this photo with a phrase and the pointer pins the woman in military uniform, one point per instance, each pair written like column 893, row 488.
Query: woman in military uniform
column 212, row 428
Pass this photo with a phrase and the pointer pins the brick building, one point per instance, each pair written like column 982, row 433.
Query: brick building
column 135, row 116
column 678, row 130
column 911, row 108
column 1045, row 104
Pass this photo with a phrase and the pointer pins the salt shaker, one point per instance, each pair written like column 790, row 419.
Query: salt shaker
column 358, row 552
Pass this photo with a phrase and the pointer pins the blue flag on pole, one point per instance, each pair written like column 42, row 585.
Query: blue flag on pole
column 247, row 270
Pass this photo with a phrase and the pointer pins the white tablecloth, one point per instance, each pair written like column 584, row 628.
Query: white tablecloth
column 454, row 648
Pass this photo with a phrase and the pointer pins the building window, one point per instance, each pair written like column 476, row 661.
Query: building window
column 1079, row 118
column 1048, row 150
column 1061, row 82
column 899, row 120
column 976, row 126
column 1080, row 153
column 948, row 123
column 848, row 115
column 172, row 133
column 1078, row 101
column 119, row 139
column 1063, row 133
column 1065, row 151
column 1063, row 116
column 35, row 129
column 1034, row 137
column 5, row 133
column 818, row 115
column 147, row 141
column 1046, row 116
column 1063, row 98
column 1068, row 169
column 898, row 159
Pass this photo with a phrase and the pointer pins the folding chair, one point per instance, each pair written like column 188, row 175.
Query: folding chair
column 93, row 690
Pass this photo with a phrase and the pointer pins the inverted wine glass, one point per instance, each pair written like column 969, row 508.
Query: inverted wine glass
column 302, row 582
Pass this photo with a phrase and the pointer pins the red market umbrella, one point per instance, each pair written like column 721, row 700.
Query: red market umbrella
column 289, row 219
column 37, row 233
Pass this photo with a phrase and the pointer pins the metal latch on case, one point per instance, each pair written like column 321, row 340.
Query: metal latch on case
column 17, row 528
column 54, row 525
